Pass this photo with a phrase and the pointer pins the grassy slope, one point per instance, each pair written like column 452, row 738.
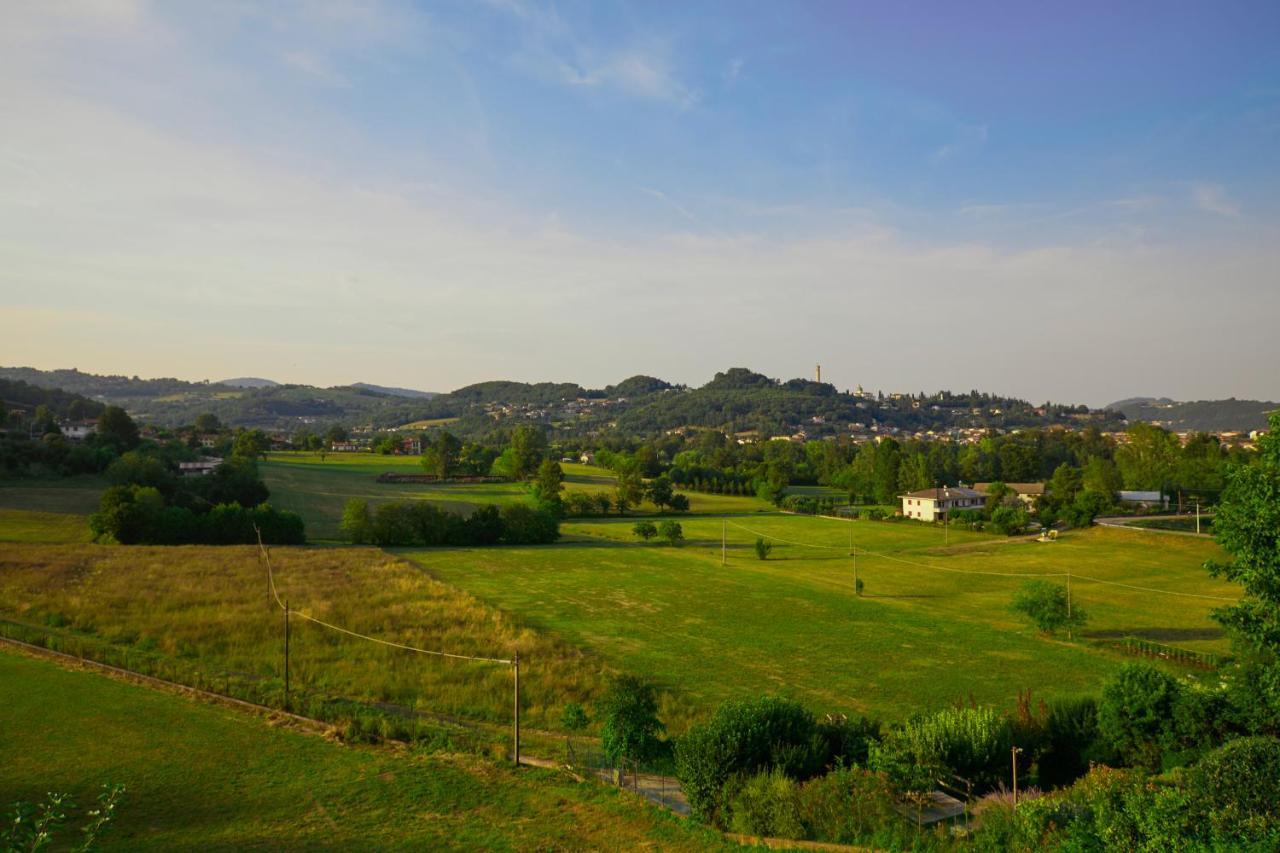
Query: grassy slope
column 918, row 639
column 71, row 495
column 199, row 776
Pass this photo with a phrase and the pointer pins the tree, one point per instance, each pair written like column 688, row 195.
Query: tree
column 629, row 724
column 1247, row 526
column 1147, row 461
column 679, row 502
column 1065, row 484
column 529, row 449
column 356, row 522
column 671, row 531
column 208, row 422
column 659, row 491
column 646, row 530
column 763, row 548
column 117, row 429
column 630, row 487
column 1102, row 475
column 440, row 457
column 1009, row 520
column 549, row 481
column 603, row 503
column 250, row 444
column 335, row 434
column 1045, row 604
column 997, row 492
column 1136, row 712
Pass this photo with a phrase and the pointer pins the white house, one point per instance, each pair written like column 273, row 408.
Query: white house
column 202, row 468
column 79, row 430
column 1025, row 492
column 932, row 504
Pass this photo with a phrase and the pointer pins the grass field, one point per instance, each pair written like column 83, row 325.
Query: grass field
column 200, row 612
column 69, row 495
column 318, row 490
column 203, row 777
column 924, row 634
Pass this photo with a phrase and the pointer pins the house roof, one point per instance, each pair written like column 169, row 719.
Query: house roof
column 946, row 493
column 1018, row 488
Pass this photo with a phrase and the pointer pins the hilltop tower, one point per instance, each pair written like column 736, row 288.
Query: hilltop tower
column 819, row 372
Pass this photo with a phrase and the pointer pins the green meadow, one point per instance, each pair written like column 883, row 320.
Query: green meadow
column 204, row 777
column 317, row 490
column 928, row 631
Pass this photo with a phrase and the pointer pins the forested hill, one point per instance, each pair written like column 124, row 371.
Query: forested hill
column 16, row 395
column 735, row 400
column 1204, row 415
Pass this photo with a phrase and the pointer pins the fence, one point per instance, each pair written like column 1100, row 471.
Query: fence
column 1140, row 647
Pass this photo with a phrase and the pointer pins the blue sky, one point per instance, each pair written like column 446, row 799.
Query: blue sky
column 1076, row 204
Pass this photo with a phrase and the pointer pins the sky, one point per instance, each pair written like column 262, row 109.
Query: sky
column 1076, row 203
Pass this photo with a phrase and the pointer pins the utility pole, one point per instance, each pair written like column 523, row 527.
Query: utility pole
column 515, row 669
column 851, row 538
column 1197, row 516
column 1070, row 629
column 286, row 654
column 855, row 573
column 1016, row 750
column 724, row 542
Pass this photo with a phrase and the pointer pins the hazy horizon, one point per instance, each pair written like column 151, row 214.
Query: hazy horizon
column 1077, row 205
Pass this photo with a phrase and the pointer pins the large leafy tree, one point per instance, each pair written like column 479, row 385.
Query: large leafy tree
column 529, row 448
column 441, row 456
column 116, row 428
column 1248, row 527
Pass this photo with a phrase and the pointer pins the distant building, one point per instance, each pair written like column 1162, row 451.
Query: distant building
column 202, row 468
column 1147, row 499
column 932, row 504
column 587, row 458
column 345, row 447
column 78, row 430
column 410, row 446
column 1026, row 492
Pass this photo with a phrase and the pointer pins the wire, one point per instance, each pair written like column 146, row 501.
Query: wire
column 263, row 554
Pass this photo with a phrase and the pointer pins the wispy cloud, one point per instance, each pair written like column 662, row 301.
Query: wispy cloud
column 670, row 202
column 968, row 138
column 633, row 72
column 314, row 65
column 1212, row 198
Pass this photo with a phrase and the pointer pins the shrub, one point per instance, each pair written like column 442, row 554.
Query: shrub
column 846, row 806
column 745, row 737
column 1046, row 605
column 767, row 804
column 1009, row 520
column 356, row 522
column 763, row 548
column 970, row 742
column 1136, row 713
column 671, row 531
column 629, row 724
column 646, row 530
column 1071, row 735
column 1237, row 787
column 524, row 525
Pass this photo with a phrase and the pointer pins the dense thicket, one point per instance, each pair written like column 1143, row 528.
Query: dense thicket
column 418, row 523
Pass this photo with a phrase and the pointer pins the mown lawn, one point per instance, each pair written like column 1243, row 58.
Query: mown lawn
column 203, row 777
column 923, row 635
column 69, row 495
column 17, row 525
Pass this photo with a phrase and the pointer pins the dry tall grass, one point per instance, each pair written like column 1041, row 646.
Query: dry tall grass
column 207, row 610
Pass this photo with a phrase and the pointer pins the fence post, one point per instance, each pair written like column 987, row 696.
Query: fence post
column 286, row 654
column 515, row 669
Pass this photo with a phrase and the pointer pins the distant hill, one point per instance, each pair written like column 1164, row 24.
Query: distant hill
column 249, row 382
column 734, row 400
column 1204, row 415
column 395, row 392
column 17, row 395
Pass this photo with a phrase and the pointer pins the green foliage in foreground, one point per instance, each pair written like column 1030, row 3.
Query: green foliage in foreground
column 35, row 826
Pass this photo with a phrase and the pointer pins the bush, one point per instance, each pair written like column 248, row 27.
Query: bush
column 970, row 742
column 1071, row 741
column 1009, row 520
column 763, row 548
column 629, row 724
column 767, row 804
column 1046, row 605
column 1136, row 713
column 846, row 806
column 1238, row 786
column 407, row 523
column 646, row 530
column 524, row 525
column 744, row 738
column 671, row 531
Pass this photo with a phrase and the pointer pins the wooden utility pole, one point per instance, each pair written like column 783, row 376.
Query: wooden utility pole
column 1016, row 750
column 1070, row 629
column 286, row 654
column 855, row 573
column 1197, row 516
column 851, row 537
column 515, row 670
